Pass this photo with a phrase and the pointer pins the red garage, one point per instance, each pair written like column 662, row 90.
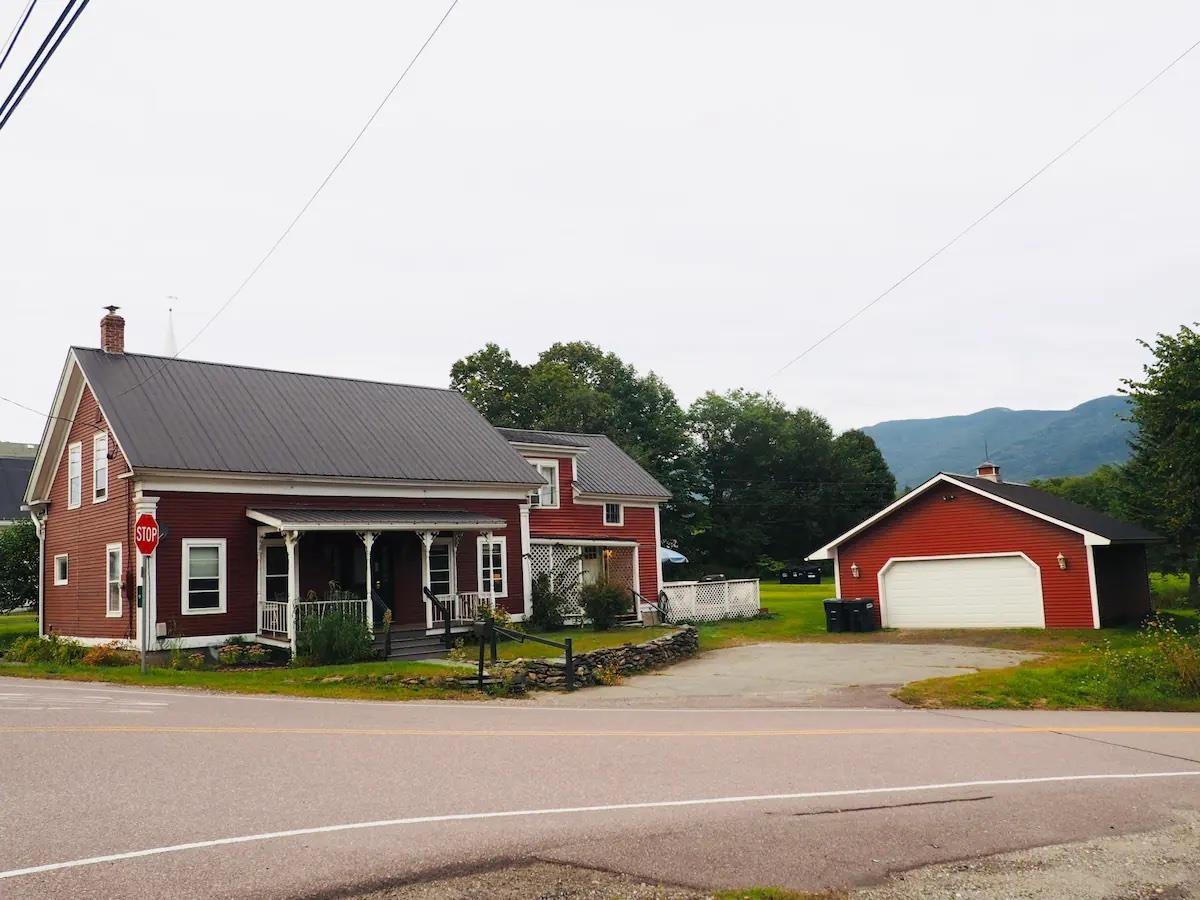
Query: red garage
column 977, row 552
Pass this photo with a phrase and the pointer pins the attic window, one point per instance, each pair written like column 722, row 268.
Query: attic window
column 614, row 514
column 99, row 468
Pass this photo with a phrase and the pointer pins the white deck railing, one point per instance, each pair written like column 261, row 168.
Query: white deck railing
column 355, row 607
column 463, row 606
column 708, row 601
column 273, row 616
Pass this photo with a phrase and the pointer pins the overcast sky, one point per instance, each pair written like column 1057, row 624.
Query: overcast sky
column 702, row 187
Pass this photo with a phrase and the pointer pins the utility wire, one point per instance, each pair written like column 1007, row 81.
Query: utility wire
column 11, row 105
column 15, row 34
column 307, row 203
column 1003, row 200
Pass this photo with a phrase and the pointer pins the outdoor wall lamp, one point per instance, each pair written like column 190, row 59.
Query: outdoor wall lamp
column 1062, row 562
column 854, row 569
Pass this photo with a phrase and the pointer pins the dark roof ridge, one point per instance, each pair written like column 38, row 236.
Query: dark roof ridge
column 209, row 362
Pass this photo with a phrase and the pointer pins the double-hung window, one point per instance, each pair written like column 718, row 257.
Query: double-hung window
column 74, row 476
column 99, row 468
column 613, row 514
column 60, row 568
column 203, row 583
column 493, row 567
column 547, row 495
column 112, row 580
column 275, row 572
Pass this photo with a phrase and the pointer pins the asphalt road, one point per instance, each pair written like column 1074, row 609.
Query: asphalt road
column 108, row 792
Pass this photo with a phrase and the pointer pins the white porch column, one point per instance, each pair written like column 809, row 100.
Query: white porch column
column 38, row 515
column 526, row 561
column 147, row 619
column 426, row 538
column 291, row 540
column 368, row 538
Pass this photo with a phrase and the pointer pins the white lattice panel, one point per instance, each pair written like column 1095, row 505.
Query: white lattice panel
column 708, row 601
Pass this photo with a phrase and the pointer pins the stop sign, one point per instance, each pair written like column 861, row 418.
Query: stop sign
column 145, row 534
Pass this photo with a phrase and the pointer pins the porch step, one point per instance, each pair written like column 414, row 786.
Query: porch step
column 411, row 645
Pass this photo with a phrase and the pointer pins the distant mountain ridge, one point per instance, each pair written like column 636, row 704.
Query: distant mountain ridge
column 1026, row 443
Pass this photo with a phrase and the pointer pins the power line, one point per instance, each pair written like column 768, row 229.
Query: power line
column 1003, row 200
column 309, row 202
column 15, row 34
column 11, row 105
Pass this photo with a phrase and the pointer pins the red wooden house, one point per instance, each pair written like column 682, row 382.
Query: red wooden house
column 281, row 495
column 975, row 551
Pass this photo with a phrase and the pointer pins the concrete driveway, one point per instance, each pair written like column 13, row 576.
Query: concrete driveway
column 814, row 675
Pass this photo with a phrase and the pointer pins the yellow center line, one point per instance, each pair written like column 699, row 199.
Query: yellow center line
column 591, row 733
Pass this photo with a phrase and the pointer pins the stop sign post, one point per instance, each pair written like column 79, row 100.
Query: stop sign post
column 145, row 536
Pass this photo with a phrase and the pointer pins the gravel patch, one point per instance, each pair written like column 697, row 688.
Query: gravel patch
column 1156, row 865
column 537, row 881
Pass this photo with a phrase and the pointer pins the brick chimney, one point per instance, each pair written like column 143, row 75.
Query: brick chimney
column 988, row 470
column 112, row 331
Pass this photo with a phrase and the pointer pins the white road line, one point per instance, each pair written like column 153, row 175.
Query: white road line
column 575, row 810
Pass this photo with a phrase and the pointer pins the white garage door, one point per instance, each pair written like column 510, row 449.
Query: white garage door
column 979, row 592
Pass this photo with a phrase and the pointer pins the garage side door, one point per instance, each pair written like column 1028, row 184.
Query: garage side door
column 981, row 592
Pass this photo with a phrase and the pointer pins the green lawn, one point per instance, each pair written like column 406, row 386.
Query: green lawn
column 360, row 681
column 15, row 625
column 582, row 639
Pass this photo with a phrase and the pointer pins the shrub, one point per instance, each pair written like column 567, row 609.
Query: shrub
column 608, row 675
column 335, row 637
column 52, row 649
column 1163, row 663
column 230, row 654
column 549, row 605
column 602, row 603
column 110, row 654
column 195, row 660
column 257, row 654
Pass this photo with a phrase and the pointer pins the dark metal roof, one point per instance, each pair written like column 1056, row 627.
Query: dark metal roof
column 604, row 468
column 212, row 417
column 14, row 476
column 299, row 518
column 1063, row 510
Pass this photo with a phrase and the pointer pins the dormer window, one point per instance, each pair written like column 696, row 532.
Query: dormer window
column 546, row 497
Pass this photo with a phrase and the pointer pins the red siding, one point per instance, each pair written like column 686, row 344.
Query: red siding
column 201, row 515
column 78, row 607
column 586, row 520
column 933, row 526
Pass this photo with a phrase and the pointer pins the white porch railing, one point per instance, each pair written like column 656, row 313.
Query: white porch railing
column 708, row 601
column 464, row 607
column 355, row 607
column 273, row 616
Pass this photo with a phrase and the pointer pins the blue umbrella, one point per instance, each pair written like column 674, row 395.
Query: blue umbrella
column 667, row 555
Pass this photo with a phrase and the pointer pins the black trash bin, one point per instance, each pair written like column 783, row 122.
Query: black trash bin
column 835, row 615
column 859, row 614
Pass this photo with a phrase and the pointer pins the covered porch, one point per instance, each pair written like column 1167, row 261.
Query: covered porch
column 368, row 563
column 571, row 563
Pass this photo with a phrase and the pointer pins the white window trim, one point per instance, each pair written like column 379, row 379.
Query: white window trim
column 503, row 542
column 222, row 595
column 620, row 514
column 452, row 556
column 552, row 463
column 75, row 448
column 108, row 550
column 65, row 557
column 262, row 565
column 96, row 439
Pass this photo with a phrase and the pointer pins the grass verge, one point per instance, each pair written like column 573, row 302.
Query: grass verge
column 360, row 681
column 16, row 625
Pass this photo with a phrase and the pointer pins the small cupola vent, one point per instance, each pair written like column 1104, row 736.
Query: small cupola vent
column 988, row 470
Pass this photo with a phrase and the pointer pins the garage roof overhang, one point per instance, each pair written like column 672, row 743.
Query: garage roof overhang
column 1090, row 538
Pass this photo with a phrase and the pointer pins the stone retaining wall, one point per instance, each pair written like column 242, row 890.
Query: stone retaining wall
column 597, row 666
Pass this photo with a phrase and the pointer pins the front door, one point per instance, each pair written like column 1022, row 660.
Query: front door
column 593, row 565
